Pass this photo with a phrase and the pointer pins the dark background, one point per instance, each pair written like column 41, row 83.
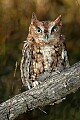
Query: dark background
column 15, row 16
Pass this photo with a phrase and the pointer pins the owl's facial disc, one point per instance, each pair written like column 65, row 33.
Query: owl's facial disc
column 46, row 33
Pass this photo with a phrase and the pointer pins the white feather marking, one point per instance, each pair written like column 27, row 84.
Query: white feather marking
column 64, row 54
column 51, row 28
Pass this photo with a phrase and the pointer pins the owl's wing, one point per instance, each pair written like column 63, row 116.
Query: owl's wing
column 65, row 60
column 25, row 65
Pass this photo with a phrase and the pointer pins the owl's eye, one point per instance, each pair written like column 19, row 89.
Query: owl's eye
column 38, row 30
column 54, row 29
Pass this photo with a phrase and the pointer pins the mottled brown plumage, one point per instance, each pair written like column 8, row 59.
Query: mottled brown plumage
column 43, row 52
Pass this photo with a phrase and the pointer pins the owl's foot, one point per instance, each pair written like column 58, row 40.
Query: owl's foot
column 35, row 83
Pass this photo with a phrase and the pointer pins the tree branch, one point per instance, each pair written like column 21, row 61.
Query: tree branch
column 53, row 89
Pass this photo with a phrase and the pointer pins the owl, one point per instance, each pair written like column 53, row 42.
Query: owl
column 43, row 52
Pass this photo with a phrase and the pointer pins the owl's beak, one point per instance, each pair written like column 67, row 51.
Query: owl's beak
column 46, row 36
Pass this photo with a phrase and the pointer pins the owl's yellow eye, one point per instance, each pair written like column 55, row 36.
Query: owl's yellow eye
column 38, row 30
column 54, row 29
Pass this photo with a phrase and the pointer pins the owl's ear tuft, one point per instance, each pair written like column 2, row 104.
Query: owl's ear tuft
column 34, row 16
column 58, row 20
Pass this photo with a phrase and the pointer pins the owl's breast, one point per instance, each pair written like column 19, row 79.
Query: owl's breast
column 47, row 53
column 42, row 60
column 46, row 58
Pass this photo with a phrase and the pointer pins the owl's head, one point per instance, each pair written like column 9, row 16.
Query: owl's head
column 45, row 31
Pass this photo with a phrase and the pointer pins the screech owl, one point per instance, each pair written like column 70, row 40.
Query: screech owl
column 43, row 52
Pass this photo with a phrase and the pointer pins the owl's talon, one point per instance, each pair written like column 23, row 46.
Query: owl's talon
column 58, row 72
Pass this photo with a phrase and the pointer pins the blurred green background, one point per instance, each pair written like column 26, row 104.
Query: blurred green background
column 15, row 16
